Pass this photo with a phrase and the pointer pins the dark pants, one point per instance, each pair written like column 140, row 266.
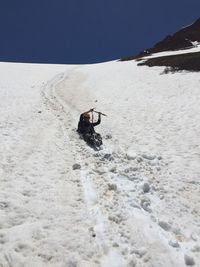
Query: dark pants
column 93, row 139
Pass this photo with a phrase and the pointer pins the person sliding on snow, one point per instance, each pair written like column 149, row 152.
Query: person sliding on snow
column 86, row 129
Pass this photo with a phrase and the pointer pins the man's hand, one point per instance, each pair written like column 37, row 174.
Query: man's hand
column 92, row 109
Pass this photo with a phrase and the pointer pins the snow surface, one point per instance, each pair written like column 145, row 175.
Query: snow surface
column 136, row 202
column 195, row 48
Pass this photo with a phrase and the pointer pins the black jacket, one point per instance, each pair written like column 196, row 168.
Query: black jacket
column 85, row 127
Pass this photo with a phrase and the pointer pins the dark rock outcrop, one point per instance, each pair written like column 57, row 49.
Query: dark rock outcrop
column 180, row 40
column 188, row 62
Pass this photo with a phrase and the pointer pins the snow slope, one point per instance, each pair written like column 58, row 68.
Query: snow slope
column 136, row 202
column 194, row 49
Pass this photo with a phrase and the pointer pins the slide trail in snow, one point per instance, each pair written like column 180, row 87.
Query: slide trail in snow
column 82, row 154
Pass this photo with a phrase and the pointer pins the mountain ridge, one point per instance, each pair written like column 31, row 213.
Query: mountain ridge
column 182, row 39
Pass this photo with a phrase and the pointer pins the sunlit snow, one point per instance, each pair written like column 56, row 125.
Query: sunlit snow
column 136, row 202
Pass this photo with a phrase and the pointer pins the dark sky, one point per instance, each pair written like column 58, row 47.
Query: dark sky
column 87, row 31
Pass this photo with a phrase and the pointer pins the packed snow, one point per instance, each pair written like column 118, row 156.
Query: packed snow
column 135, row 202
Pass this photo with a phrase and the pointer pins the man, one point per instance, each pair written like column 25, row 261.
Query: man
column 86, row 129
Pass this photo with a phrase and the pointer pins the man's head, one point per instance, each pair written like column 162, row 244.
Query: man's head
column 86, row 116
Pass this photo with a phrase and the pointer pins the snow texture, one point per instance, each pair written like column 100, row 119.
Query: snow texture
column 136, row 202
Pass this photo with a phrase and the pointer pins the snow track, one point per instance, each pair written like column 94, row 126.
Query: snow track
column 97, row 228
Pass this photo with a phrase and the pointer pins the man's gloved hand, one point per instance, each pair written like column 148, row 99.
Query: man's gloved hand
column 92, row 109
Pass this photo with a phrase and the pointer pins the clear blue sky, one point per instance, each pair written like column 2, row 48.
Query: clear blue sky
column 87, row 31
